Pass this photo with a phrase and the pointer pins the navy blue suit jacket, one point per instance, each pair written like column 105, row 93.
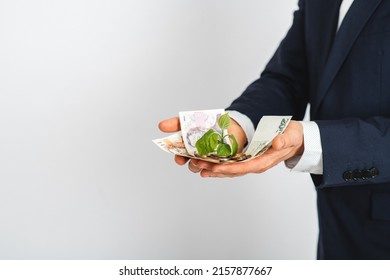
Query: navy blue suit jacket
column 346, row 79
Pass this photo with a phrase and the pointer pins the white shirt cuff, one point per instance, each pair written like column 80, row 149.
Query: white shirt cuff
column 245, row 123
column 311, row 160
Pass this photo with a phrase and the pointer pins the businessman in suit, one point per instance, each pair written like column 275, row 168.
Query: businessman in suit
column 335, row 57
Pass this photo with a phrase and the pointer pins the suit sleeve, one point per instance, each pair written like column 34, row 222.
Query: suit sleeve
column 282, row 88
column 355, row 151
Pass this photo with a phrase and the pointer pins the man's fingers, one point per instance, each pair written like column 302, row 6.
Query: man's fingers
column 193, row 167
column 203, row 164
column 181, row 160
column 170, row 125
column 236, row 168
column 208, row 173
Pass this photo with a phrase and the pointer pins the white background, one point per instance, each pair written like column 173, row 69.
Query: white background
column 83, row 85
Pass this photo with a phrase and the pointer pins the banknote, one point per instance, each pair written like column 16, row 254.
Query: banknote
column 173, row 144
column 267, row 129
column 183, row 142
column 196, row 123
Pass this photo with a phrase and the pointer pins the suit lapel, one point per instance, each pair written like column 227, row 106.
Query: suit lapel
column 352, row 25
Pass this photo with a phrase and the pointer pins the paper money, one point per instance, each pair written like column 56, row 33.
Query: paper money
column 173, row 144
column 195, row 123
column 267, row 129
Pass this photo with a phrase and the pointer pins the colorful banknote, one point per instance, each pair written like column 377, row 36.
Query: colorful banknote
column 196, row 123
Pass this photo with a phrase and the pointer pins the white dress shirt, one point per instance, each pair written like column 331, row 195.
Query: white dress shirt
column 311, row 160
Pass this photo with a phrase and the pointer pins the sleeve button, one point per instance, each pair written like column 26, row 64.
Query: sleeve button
column 348, row 175
column 357, row 174
column 366, row 174
column 374, row 172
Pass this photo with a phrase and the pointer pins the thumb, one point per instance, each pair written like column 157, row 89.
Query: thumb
column 170, row 125
column 291, row 138
column 280, row 142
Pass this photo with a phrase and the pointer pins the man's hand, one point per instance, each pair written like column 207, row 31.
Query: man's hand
column 284, row 146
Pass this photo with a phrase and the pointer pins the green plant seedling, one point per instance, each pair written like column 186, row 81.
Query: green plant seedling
column 213, row 142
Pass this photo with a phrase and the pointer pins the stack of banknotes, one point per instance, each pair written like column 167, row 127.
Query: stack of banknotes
column 196, row 123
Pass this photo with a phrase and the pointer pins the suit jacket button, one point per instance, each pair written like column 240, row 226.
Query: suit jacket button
column 356, row 174
column 348, row 175
column 366, row 174
column 374, row 172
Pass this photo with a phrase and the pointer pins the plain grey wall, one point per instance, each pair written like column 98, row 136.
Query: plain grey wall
column 83, row 85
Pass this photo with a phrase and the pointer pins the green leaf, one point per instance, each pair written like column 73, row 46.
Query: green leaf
column 234, row 144
column 213, row 141
column 224, row 150
column 224, row 121
column 207, row 143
